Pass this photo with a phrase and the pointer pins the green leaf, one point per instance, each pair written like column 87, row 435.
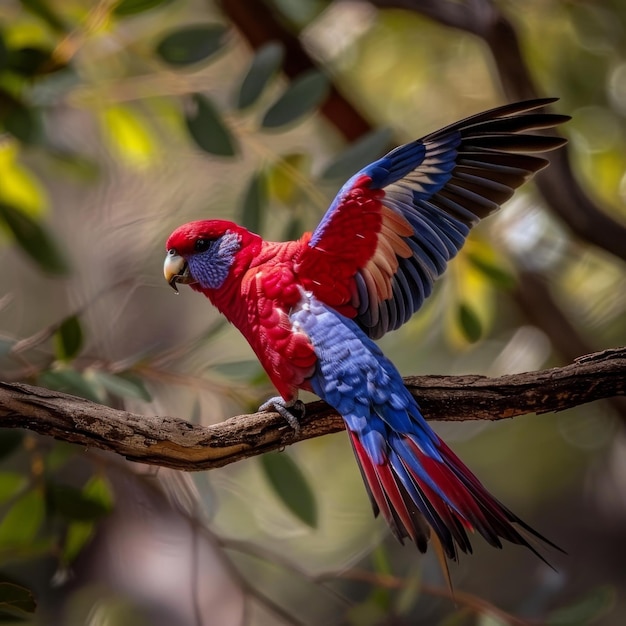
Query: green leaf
column 123, row 385
column 380, row 561
column 97, row 488
column 77, row 536
column 42, row 9
column 4, row 54
column 76, row 165
column 207, row 128
column 132, row 7
column 406, row 598
column 16, row 597
column 33, row 239
column 22, row 521
column 11, row 483
column 29, row 61
column 240, row 370
column 68, row 338
column 20, row 189
column 59, row 455
column 24, row 123
column 291, row 486
column 359, row 154
column 10, row 441
column 460, row 617
column 70, row 381
column 302, row 96
column 74, row 504
column 469, row 323
column 497, row 274
column 266, row 63
column 79, row 532
column 254, row 203
column 593, row 606
column 192, row 44
column 367, row 613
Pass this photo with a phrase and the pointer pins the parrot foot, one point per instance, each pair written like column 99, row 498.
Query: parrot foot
column 291, row 412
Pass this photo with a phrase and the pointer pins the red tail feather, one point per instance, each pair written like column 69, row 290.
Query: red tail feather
column 456, row 504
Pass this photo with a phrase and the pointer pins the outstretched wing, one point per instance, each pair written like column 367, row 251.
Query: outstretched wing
column 393, row 227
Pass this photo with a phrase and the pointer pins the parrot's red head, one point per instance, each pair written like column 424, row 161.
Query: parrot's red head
column 203, row 253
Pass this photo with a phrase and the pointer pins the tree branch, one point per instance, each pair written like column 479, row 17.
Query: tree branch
column 260, row 24
column 172, row 442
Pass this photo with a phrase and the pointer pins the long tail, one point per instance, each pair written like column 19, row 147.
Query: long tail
column 413, row 478
column 415, row 489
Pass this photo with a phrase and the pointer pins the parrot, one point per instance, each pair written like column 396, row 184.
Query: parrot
column 311, row 309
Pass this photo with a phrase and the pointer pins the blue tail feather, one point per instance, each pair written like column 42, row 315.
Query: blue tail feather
column 411, row 476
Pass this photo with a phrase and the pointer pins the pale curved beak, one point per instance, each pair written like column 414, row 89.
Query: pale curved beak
column 175, row 270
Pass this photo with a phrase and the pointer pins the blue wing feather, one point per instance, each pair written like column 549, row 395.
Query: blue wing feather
column 441, row 186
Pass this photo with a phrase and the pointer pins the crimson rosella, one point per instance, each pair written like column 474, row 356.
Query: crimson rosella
column 310, row 308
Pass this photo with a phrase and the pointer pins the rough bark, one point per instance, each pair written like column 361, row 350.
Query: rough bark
column 173, row 442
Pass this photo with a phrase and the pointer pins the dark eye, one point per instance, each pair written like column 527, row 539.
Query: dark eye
column 201, row 245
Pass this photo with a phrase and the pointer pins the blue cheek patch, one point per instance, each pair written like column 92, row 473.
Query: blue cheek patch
column 211, row 267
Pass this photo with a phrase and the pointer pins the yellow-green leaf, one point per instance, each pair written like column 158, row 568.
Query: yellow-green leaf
column 22, row 521
column 97, row 488
column 128, row 135
column 77, row 536
column 286, row 176
column 10, row 484
column 18, row 187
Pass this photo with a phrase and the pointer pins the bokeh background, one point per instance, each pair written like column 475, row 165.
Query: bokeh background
column 122, row 120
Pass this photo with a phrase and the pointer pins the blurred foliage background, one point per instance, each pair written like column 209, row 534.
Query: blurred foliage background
column 120, row 121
